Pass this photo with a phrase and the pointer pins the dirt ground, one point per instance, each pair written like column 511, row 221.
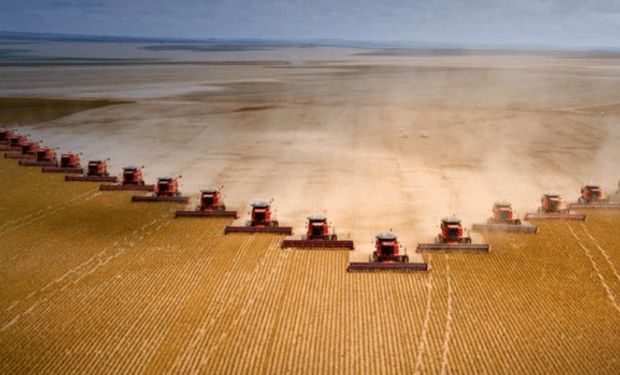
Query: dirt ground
column 343, row 135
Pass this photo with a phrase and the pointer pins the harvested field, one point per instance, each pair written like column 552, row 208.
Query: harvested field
column 95, row 284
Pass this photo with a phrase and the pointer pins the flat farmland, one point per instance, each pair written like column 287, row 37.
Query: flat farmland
column 93, row 283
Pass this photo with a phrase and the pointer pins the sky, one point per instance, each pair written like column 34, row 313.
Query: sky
column 558, row 23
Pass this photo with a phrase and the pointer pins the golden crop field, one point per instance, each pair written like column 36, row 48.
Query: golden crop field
column 92, row 283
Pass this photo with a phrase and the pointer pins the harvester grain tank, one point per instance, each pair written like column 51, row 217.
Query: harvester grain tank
column 69, row 163
column 504, row 219
column 318, row 235
column 44, row 157
column 131, row 180
column 96, row 171
column 388, row 255
column 261, row 221
column 593, row 197
column 552, row 207
column 166, row 190
column 452, row 237
column 211, row 205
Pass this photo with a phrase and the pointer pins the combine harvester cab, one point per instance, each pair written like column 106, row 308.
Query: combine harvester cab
column 261, row 221
column 44, row 157
column 131, row 180
column 452, row 237
column 504, row 220
column 552, row 207
column 69, row 163
column 593, row 197
column 318, row 235
column 166, row 190
column 28, row 150
column 211, row 205
column 96, row 171
column 388, row 255
column 15, row 143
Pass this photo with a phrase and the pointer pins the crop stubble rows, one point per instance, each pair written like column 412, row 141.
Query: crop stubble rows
column 96, row 284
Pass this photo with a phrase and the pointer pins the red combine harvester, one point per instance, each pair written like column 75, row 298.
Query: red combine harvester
column 96, row 171
column 44, row 157
column 69, row 163
column 261, row 221
column 318, row 236
column 452, row 237
column 504, row 220
column 15, row 143
column 592, row 196
column 552, row 207
column 211, row 205
column 28, row 151
column 388, row 255
column 5, row 136
column 166, row 190
column 131, row 180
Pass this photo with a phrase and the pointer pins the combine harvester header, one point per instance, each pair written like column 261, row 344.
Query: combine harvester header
column 388, row 255
column 261, row 221
column 451, row 238
column 211, row 205
column 131, row 180
column 318, row 236
column 166, row 190
column 593, row 197
column 96, row 171
column 69, row 163
column 504, row 220
column 552, row 207
column 44, row 157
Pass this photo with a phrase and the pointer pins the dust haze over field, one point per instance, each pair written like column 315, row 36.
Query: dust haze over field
column 379, row 138
column 338, row 129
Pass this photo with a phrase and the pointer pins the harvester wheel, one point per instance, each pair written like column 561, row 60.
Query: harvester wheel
column 274, row 223
column 405, row 258
column 334, row 237
column 467, row 240
column 517, row 222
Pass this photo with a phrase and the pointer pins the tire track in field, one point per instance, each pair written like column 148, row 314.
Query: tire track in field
column 25, row 217
column 448, row 330
column 610, row 294
column 87, row 267
column 425, row 326
column 44, row 213
column 602, row 251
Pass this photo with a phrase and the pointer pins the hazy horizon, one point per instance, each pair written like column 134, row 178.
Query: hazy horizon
column 548, row 23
